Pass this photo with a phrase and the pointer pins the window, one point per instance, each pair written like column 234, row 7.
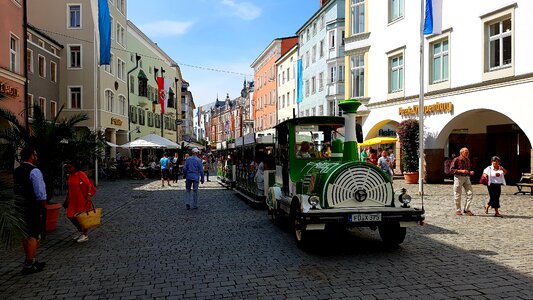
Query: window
column 122, row 105
column 314, row 28
column 74, row 16
column 313, row 54
column 42, row 66
column 294, row 96
column 30, row 61
column 53, row 71
column 150, row 119
column 120, row 34
column 500, row 44
column 396, row 74
column 30, row 105
column 313, row 111
column 307, row 34
column 112, row 33
column 331, row 39
column 322, row 23
column 283, row 77
column 41, row 43
column 75, row 56
column 288, row 98
column 332, row 74
column 157, row 120
column 439, row 64
column 321, row 48
column 282, row 101
column 357, row 74
column 321, row 81
column 121, row 6
column 53, row 109
column 53, row 50
column 42, row 106
column 143, row 87
column 288, row 74
column 307, row 87
column 109, row 100
column 14, row 54
column 395, row 10
column 307, row 59
column 313, row 85
column 75, row 97
column 341, row 73
column 121, row 69
column 132, row 84
column 301, row 39
column 141, row 115
column 110, row 68
column 133, row 114
column 321, row 110
column 357, row 11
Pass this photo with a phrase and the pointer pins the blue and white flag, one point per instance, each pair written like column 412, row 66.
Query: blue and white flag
column 102, row 31
column 433, row 17
column 299, row 82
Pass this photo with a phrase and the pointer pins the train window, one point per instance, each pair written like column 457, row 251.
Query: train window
column 313, row 141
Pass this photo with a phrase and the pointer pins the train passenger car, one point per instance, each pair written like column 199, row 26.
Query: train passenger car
column 255, row 167
column 321, row 183
column 226, row 169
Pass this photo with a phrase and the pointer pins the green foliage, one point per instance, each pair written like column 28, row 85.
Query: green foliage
column 230, row 140
column 11, row 223
column 408, row 132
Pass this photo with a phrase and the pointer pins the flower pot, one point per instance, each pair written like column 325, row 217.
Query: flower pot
column 410, row 177
column 52, row 214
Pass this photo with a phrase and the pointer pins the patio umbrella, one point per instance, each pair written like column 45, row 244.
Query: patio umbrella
column 378, row 141
column 150, row 141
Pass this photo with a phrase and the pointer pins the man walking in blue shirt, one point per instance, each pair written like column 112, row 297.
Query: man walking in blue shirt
column 194, row 173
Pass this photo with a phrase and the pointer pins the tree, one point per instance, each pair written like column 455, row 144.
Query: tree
column 408, row 132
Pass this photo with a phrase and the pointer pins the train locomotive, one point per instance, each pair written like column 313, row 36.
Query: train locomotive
column 317, row 181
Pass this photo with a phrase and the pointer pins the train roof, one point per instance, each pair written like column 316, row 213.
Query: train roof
column 323, row 120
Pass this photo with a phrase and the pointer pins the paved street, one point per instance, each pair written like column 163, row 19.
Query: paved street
column 151, row 247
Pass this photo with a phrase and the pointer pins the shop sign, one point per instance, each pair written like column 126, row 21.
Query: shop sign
column 437, row 108
column 116, row 121
column 8, row 90
column 387, row 132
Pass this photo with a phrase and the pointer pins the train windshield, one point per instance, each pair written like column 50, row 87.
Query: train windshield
column 314, row 141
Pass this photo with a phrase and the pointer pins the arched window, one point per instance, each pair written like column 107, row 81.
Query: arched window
column 109, row 100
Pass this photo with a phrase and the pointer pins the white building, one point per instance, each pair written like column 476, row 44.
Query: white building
column 286, row 81
column 321, row 49
column 478, row 78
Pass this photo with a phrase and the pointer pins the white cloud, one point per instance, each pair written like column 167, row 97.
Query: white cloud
column 244, row 10
column 165, row 28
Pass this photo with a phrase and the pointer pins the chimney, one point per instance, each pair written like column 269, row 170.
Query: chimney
column 322, row 2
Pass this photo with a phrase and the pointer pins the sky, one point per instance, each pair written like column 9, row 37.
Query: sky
column 226, row 35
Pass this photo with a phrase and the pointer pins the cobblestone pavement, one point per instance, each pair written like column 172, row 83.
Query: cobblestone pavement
column 151, row 247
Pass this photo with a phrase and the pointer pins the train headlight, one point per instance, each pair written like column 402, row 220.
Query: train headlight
column 404, row 198
column 313, row 200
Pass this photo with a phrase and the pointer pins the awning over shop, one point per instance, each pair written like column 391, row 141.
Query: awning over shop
column 191, row 145
column 380, row 140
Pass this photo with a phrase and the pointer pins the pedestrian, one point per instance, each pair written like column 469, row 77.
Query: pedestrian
column 462, row 170
column 392, row 157
column 495, row 175
column 194, row 173
column 175, row 167
column 373, row 157
column 164, row 162
column 80, row 191
column 364, row 154
column 385, row 163
column 29, row 184
column 205, row 162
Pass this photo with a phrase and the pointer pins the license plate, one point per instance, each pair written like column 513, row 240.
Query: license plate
column 364, row 218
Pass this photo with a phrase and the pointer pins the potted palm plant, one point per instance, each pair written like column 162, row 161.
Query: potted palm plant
column 55, row 141
column 408, row 133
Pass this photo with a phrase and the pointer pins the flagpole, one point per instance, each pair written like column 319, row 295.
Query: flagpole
column 421, row 106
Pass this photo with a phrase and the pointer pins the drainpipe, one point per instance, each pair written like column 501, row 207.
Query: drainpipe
column 137, row 58
column 349, row 108
column 25, row 51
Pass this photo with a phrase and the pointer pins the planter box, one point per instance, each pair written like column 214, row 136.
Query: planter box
column 52, row 214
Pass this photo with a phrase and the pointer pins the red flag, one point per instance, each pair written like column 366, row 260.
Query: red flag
column 161, row 93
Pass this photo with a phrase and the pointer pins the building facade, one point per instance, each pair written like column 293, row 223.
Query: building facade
column 477, row 82
column 286, row 66
column 265, row 92
column 100, row 91
column 321, row 49
column 146, row 62
column 43, row 60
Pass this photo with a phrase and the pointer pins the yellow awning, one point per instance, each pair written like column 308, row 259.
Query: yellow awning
column 378, row 141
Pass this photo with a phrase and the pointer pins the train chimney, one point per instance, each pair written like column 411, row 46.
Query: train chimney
column 349, row 108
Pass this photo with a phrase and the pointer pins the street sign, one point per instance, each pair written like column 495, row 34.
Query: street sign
column 179, row 121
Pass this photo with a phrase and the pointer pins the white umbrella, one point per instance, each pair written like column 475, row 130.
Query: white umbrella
column 151, row 141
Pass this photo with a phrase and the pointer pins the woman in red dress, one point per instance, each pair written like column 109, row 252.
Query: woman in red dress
column 80, row 190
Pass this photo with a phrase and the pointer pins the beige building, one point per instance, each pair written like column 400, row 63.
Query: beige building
column 286, row 81
column 98, row 91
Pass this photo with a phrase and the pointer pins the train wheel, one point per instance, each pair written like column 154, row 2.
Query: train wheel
column 392, row 234
column 301, row 235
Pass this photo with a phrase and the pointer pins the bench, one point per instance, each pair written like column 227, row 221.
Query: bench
column 525, row 182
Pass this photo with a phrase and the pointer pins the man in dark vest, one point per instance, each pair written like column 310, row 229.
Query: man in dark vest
column 29, row 184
